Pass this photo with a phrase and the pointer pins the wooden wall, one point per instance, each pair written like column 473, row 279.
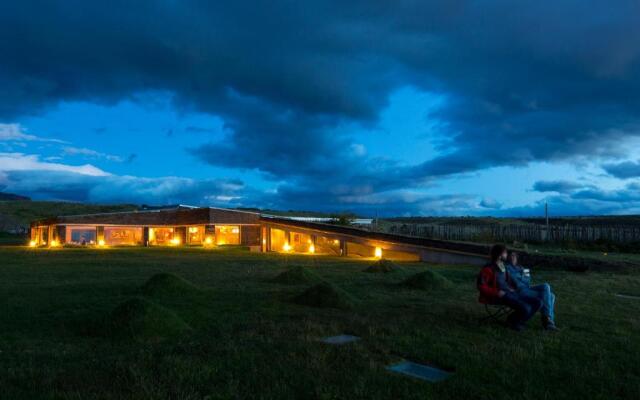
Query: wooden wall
column 520, row 232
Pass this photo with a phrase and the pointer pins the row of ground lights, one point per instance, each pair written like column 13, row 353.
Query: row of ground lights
column 54, row 243
column 312, row 249
column 175, row 241
column 209, row 241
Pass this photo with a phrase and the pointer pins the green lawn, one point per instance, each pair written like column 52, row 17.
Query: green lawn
column 246, row 340
column 623, row 257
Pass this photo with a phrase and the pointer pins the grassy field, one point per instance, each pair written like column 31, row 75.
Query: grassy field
column 633, row 258
column 229, row 331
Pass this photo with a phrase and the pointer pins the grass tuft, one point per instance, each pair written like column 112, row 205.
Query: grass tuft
column 382, row 266
column 427, row 280
column 325, row 295
column 166, row 285
column 144, row 320
column 296, row 275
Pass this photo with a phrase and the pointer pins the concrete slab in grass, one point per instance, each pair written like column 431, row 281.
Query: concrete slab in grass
column 627, row 296
column 420, row 371
column 340, row 339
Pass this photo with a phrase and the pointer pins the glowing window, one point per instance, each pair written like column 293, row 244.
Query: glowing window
column 116, row 235
column 227, row 234
column 195, row 234
column 83, row 235
column 300, row 242
column 160, row 236
column 278, row 239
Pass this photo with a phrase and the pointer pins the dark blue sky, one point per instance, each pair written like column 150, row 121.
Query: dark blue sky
column 406, row 107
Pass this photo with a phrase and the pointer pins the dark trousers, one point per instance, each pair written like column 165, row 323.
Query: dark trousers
column 523, row 307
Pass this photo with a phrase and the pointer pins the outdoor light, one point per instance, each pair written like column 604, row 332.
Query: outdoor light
column 54, row 243
column 208, row 240
column 286, row 246
column 312, row 248
column 32, row 243
column 378, row 252
column 101, row 242
column 175, row 241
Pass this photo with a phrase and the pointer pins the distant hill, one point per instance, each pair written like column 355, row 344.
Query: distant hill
column 16, row 215
column 12, row 197
column 298, row 213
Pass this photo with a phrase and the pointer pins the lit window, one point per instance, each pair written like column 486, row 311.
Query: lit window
column 226, row 234
column 81, row 234
column 195, row 234
column 118, row 236
column 160, row 236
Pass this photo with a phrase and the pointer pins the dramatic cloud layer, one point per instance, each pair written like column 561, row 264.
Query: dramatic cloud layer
column 624, row 170
column 556, row 186
column 26, row 174
column 521, row 83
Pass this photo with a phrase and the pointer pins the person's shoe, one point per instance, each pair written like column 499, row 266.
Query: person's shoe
column 548, row 324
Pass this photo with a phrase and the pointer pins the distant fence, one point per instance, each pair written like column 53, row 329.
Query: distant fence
column 520, row 232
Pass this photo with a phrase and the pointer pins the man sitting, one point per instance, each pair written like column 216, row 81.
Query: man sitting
column 522, row 281
column 497, row 287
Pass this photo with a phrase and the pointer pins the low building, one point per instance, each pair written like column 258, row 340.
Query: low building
column 162, row 227
column 208, row 226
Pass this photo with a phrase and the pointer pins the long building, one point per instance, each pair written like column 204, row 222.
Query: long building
column 210, row 227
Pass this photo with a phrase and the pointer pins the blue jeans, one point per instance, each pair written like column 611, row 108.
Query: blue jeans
column 523, row 307
column 543, row 292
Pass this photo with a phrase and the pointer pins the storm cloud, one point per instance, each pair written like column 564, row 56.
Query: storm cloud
column 557, row 186
column 522, row 82
column 623, row 170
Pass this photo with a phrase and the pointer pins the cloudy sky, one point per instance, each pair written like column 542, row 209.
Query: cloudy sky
column 390, row 107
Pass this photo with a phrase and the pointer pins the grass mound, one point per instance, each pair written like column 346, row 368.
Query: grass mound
column 324, row 295
column 168, row 285
column 144, row 320
column 427, row 280
column 382, row 266
column 296, row 275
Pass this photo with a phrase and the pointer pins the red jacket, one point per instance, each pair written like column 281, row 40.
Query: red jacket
column 487, row 284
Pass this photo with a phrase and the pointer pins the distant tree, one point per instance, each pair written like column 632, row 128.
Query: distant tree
column 4, row 196
column 11, row 224
column 342, row 219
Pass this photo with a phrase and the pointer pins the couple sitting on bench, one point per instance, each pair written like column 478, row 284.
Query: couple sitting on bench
column 504, row 282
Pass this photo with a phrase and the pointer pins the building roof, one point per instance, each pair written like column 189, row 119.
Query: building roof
column 174, row 216
column 464, row 247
